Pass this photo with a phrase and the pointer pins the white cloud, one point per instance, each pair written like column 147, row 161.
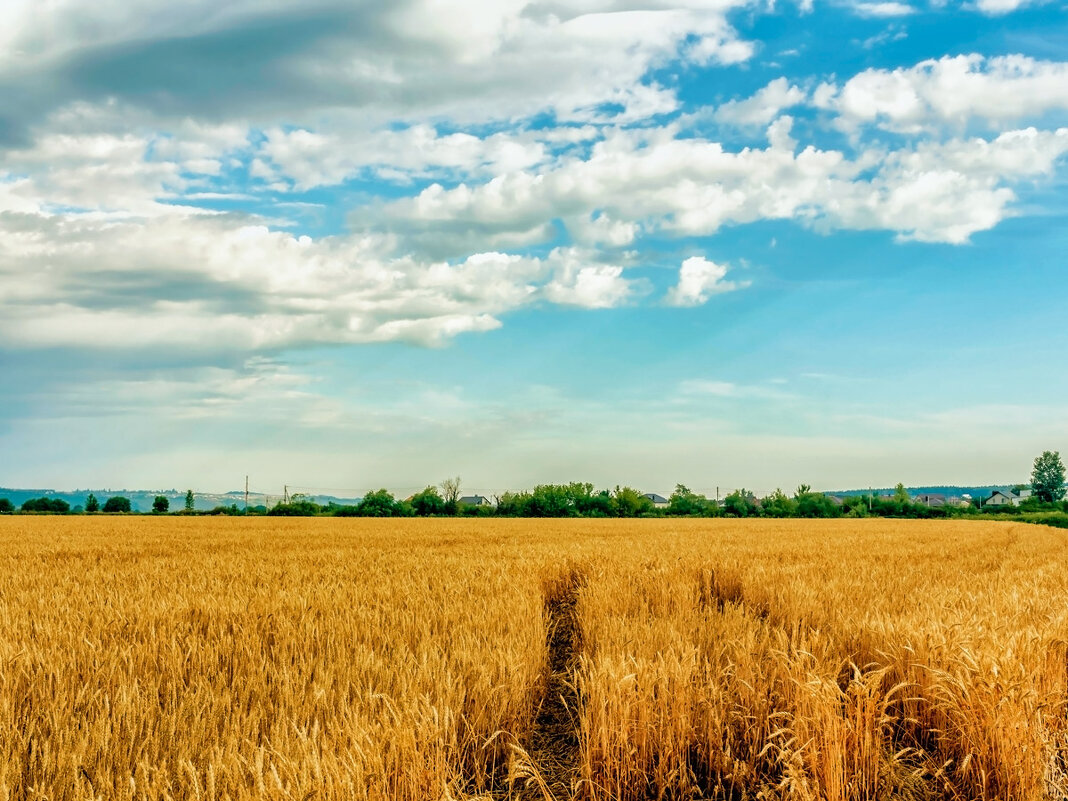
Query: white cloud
column 587, row 286
column 206, row 284
column 693, row 388
column 762, row 107
column 691, row 187
column 700, row 279
column 312, row 159
column 883, row 9
column 951, row 90
column 469, row 61
column 92, row 171
column 945, row 192
column 719, row 389
column 995, row 8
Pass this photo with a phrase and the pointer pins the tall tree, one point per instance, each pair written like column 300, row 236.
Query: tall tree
column 450, row 491
column 92, row 504
column 190, row 502
column 1047, row 478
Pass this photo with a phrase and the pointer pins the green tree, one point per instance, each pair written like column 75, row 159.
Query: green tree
column 298, row 506
column 6, row 506
column 377, row 504
column 684, row 501
column 901, row 495
column 450, row 491
column 513, row 504
column 740, row 503
column 428, row 502
column 815, row 504
column 631, row 503
column 593, row 504
column 92, row 504
column 50, row 506
column 160, row 504
column 1047, row 478
column 117, row 503
column 778, row 504
column 550, row 500
column 190, row 501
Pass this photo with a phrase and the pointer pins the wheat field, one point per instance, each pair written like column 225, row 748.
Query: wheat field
column 267, row 658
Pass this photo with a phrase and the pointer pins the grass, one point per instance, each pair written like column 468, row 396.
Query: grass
column 203, row 658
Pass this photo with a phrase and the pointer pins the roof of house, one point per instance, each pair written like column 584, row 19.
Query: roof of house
column 655, row 498
column 474, row 500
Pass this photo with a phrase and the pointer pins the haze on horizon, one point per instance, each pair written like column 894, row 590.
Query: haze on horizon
column 352, row 245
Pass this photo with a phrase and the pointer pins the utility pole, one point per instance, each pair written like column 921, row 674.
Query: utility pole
column 285, row 494
column 717, row 493
column 869, row 500
column 246, row 494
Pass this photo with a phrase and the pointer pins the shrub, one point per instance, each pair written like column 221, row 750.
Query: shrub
column 299, row 507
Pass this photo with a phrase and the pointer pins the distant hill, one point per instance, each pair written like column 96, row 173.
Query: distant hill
column 141, row 500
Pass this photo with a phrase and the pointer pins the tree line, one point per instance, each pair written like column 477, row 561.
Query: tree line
column 579, row 499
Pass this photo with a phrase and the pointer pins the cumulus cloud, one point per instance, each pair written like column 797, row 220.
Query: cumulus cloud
column 586, row 285
column 700, row 279
column 311, row 159
column 941, row 192
column 945, row 192
column 102, row 172
column 952, row 90
column 762, row 107
column 470, row 61
column 119, row 130
column 206, row 284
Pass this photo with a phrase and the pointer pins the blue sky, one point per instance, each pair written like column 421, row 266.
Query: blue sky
column 344, row 245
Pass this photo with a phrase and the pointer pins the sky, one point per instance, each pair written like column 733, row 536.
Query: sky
column 347, row 245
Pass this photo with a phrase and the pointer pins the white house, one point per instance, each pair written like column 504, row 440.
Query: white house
column 1007, row 498
column 659, row 501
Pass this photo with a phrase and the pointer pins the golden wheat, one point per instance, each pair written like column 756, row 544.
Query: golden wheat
column 202, row 658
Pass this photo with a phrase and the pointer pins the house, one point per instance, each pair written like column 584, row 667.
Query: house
column 999, row 498
column 1007, row 497
column 475, row 500
column 931, row 500
column 659, row 501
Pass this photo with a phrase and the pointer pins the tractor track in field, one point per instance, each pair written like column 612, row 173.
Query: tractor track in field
column 553, row 745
